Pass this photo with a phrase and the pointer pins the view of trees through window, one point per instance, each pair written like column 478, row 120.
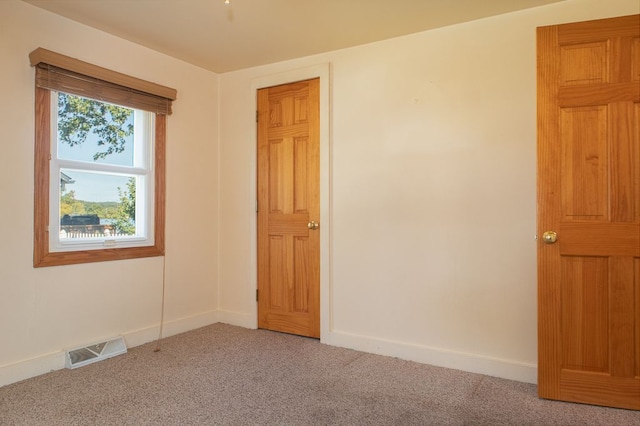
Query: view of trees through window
column 95, row 203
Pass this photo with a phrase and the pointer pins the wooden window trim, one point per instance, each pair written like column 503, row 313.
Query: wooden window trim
column 41, row 255
column 62, row 73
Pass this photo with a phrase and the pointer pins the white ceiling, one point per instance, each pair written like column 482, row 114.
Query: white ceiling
column 248, row 33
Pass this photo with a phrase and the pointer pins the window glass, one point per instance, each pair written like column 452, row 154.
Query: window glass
column 94, row 131
column 94, row 205
column 101, row 165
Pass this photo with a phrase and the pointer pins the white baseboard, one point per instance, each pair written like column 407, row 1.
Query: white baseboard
column 46, row 363
column 237, row 318
column 31, row 367
column 506, row 369
column 170, row 328
column 472, row 363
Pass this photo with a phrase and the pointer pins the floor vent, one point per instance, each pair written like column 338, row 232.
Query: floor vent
column 95, row 352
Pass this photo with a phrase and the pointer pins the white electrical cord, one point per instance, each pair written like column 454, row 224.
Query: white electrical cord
column 164, row 274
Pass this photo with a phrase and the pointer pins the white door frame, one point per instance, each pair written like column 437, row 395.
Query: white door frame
column 322, row 71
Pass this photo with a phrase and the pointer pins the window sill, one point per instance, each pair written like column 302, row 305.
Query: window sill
column 90, row 256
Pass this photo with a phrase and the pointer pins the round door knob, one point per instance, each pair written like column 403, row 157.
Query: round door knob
column 549, row 237
column 313, row 225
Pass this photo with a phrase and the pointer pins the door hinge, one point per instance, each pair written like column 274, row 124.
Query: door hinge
column 257, row 294
column 256, row 206
column 257, row 115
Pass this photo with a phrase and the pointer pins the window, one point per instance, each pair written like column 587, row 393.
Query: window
column 99, row 163
column 101, row 155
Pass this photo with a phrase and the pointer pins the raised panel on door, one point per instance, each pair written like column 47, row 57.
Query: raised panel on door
column 585, row 323
column 584, row 163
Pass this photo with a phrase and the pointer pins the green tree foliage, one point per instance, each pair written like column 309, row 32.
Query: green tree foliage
column 125, row 217
column 69, row 205
column 77, row 117
column 104, row 209
column 72, row 206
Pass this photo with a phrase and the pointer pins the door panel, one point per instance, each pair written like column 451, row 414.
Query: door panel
column 585, row 325
column 589, row 194
column 288, row 200
column 584, row 159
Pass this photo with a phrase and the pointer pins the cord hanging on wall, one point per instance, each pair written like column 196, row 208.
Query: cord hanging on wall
column 164, row 279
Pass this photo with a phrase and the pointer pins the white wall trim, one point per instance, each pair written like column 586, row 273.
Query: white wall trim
column 323, row 71
column 170, row 328
column 46, row 363
column 240, row 319
column 472, row 363
column 496, row 367
column 22, row 370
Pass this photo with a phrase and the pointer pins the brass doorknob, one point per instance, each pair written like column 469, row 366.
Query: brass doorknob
column 549, row 237
column 313, row 225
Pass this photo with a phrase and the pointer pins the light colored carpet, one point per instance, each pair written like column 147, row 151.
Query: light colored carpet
column 225, row 375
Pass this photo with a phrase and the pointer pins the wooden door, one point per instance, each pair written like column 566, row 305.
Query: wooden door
column 589, row 194
column 289, row 208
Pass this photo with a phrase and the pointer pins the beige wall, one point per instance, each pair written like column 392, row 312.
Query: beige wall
column 43, row 311
column 431, row 253
column 428, row 203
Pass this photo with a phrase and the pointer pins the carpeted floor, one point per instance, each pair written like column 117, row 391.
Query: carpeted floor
column 225, row 375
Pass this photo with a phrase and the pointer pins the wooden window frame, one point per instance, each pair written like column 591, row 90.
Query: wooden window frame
column 42, row 256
